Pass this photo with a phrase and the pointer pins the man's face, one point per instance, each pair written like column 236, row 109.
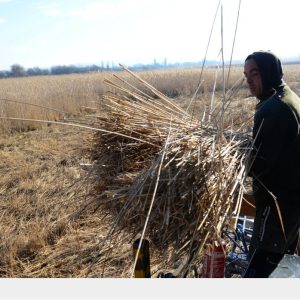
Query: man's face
column 253, row 77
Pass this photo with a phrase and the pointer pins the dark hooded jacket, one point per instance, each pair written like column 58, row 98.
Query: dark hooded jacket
column 275, row 159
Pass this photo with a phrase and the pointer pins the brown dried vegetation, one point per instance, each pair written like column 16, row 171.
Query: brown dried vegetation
column 63, row 189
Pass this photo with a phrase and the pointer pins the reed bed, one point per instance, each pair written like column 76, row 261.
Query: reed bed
column 164, row 174
column 58, row 97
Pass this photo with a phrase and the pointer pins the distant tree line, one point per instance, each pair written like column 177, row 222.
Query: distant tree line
column 17, row 70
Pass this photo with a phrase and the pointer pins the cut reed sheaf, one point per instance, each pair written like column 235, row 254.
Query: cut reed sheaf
column 166, row 176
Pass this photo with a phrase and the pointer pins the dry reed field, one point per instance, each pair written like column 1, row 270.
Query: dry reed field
column 56, row 97
column 147, row 162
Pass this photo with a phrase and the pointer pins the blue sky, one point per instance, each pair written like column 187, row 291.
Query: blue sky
column 47, row 33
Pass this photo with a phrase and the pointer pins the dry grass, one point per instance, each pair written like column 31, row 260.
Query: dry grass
column 73, row 94
column 66, row 94
column 56, row 211
column 40, row 188
column 50, row 222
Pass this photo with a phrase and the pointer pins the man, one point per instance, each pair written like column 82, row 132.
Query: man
column 275, row 164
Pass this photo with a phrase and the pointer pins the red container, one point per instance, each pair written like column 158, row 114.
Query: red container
column 214, row 262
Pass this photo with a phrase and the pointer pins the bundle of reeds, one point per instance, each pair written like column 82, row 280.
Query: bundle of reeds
column 167, row 176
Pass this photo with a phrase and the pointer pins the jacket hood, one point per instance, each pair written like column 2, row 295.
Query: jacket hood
column 270, row 69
